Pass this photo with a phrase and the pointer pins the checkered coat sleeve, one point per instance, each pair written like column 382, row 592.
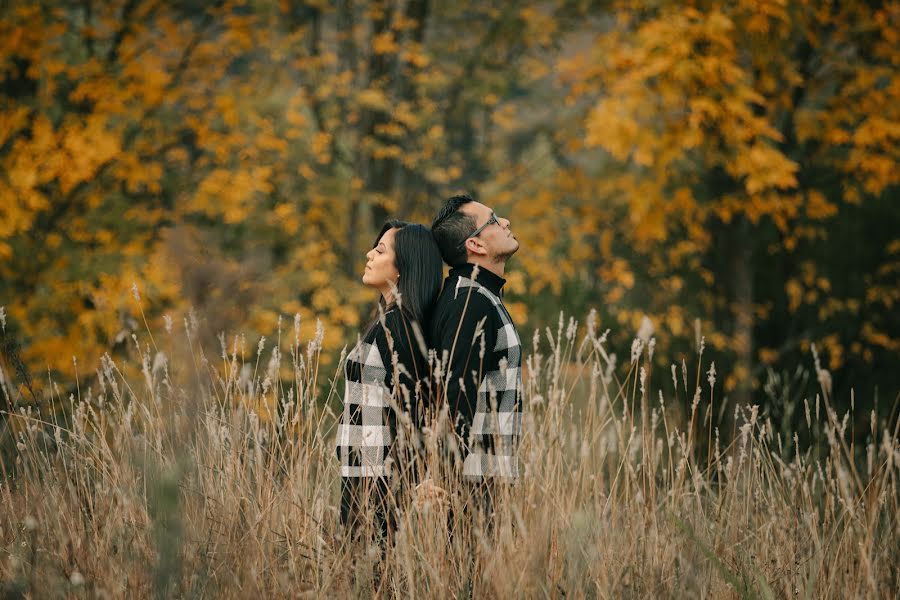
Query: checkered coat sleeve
column 378, row 383
column 483, row 388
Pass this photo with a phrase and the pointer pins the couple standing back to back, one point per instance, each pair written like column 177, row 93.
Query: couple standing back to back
column 388, row 373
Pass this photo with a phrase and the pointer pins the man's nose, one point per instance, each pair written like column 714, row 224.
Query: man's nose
column 504, row 223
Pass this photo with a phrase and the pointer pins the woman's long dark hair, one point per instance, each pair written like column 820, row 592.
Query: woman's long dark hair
column 418, row 260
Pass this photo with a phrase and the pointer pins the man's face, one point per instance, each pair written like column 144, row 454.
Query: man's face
column 496, row 241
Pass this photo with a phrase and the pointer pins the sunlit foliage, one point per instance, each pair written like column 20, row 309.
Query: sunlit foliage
column 733, row 163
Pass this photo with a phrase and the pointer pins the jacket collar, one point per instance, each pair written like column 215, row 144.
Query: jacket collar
column 492, row 282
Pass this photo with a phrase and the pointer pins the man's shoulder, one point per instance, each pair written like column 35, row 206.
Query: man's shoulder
column 462, row 303
column 463, row 294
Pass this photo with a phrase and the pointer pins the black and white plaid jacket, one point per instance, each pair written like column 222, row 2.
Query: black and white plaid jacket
column 482, row 371
column 374, row 390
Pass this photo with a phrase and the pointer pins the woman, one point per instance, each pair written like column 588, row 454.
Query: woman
column 405, row 266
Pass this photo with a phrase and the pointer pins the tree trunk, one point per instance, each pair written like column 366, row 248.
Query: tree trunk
column 742, row 294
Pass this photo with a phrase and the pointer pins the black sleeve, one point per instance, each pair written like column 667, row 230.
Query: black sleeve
column 465, row 345
column 407, row 376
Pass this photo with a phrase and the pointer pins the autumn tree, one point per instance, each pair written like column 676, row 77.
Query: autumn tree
column 728, row 164
column 745, row 140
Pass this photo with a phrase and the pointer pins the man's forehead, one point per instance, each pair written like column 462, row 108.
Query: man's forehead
column 475, row 209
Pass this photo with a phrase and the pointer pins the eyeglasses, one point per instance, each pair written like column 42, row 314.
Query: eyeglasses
column 493, row 219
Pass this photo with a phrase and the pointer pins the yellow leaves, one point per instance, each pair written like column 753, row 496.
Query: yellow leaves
column 227, row 109
column 837, row 136
column 138, row 175
column 876, row 170
column 515, row 282
column 104, row 236
column 294, row 115
column 764, row 15
column 768, row 355
column 833, row 350
column 851, row 193
column 70, row 156
column 650, row 227
column 794, row 292
column 610, row 126
column 876, row 130
column 673, row 284
column 808, row 272
column 675, row 320
column 614, row 296
column 324, row 298
column 267, row 140
column 505, row 117
column 671, row 96
column 87, row 145
column 783, row 209
column 305, row 171
column 384, row 43
column 231, row 194
column 880, row 338
column 518, row 311
column 23, row 176
column 373, row 98
column 764, row 167
column 541, row 27
column 391, row 129
column 417, row 58
column 443, row 175
column 618, row 271
column 11, row 121
column 679, row 251
column 406, row 115
column 535, row 69
column 818, row 207
column 147, row 79
column 321, row 147
column 285, row 216
column 239, row 33
column 388, row 151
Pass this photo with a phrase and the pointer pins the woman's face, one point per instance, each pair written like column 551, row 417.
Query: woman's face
column 380, row 271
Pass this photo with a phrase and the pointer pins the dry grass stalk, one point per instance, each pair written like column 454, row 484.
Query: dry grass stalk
column 180, row 475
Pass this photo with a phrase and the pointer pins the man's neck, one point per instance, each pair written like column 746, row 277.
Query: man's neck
column 497, row 268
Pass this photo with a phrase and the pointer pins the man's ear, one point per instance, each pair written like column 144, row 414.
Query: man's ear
column 475, row 246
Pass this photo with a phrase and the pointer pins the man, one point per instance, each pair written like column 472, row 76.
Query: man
column 477, row 341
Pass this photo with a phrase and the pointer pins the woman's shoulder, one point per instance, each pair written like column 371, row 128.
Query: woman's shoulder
column 394, row 316
column 393, row 320
column 405, row 331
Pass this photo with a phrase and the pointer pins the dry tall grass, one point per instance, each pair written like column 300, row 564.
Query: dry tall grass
column 192, row 476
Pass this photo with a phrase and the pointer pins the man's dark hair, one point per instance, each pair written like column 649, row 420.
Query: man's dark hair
column 451, row 227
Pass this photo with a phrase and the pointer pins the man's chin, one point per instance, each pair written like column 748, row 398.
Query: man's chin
column 505, row 256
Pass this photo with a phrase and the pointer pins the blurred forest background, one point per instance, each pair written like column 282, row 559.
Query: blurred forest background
column 728, row 169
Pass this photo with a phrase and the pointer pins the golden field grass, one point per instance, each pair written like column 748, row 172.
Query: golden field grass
column 188, row 473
